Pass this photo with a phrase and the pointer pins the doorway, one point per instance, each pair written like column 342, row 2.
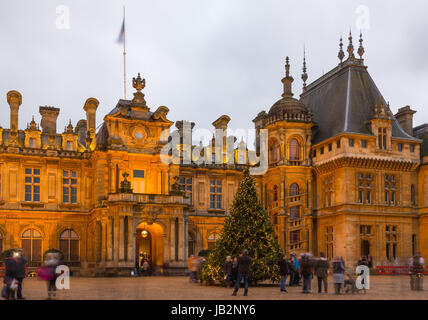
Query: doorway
column 143, row 247
column 365, row 248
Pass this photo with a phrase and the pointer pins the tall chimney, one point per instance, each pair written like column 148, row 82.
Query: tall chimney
column 14, row 99
column 404, row 117
column 90, row 108
column 49, row 116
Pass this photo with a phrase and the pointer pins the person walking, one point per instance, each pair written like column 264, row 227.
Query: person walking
column 10, row 276
column 291, row 270
column 283, row 271
column 417, row 268
column 48, row 272
column 244, row 263
column 297, row 270
column 321, row 270
column 234, row 270
column 21, row 263
column 228, row 270
column 306, row 265
column 338, row 273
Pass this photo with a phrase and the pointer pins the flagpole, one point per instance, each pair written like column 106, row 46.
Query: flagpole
column 124, row 55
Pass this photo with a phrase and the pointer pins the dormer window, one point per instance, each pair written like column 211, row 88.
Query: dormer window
column 412, row 148
column 69, row 145
column 32, row 143
column 381, row 138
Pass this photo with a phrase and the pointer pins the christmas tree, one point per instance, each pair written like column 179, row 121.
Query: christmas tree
column 247, row 227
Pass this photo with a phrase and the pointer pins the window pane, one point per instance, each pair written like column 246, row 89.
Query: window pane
column 27, row 171
column 73, row 174
column 74, row 250
column 36, row 180
column 65, row 174
column 27, row 179
column 36, row 172
column 37, row 250
column 63, row 247
column 65, row 181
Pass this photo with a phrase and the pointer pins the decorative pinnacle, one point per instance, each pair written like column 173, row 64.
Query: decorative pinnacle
column 138, row 83
column 304, row 74
column 350, row 46
column 341, row 54
column 361, row 48
column 288, row 80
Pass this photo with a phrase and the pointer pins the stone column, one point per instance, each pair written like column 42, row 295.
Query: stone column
column 109, row 239
column 131, row 240
column 186, row 239
column 122, row 238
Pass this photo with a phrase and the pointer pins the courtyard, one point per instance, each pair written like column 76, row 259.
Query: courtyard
column 179, row 288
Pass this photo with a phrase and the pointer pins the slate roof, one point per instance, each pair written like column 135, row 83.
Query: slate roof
column 343, row 100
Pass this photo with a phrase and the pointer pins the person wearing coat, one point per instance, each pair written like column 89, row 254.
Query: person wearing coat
column 10, row 274
column 21, row 263
column 321, row 270
column 244, row 262
column 416, row 270
column 228, row 270
column 306, row 265
column 283, row 271
column 234, row 270
column 338, row 273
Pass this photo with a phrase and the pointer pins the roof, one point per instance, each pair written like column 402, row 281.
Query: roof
column 343, row 100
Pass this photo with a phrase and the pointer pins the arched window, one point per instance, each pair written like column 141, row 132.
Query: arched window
column 191, row 244
column 212, row 239
column 69, row 245
column 275, row 193
column 32, row 246
column 294, row 150
column 294, row 189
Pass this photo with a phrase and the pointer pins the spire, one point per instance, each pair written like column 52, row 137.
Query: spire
column 304, row 74
column 69, row 128
column 287, row 81
column 341, row 54
column 350, row 46
column 361, row 48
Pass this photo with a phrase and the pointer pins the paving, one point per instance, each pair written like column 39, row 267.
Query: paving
column 167, row 288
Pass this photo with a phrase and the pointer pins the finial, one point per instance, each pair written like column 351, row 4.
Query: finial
column 69, row 127
column 350, row 46
column 361, row 48
column 288, row 80
column 304, row 74
column 139, row 84
column 341, row 54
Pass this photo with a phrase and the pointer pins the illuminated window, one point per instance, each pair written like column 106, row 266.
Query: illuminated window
column 31, row 241
column 212, row 239
column 186, row 187
column 32, row 184
column 215, row 194
column 69, row 245
column 69, row 186
column 294, row 149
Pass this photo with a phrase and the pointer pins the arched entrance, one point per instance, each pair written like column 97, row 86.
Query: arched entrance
column 149, row 244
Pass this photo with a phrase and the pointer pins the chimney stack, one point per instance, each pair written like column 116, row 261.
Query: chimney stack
column 404, row 117
column 14, row 99
column 49, row 116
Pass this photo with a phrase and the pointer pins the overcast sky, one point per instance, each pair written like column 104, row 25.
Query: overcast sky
column 201, row 58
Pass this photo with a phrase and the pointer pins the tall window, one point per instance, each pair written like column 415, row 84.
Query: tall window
column 412, row 194
column 69, row 186
column 295, row 236
column 328, row 190
column 190, row 244
column 294, row 150
column 329, row 242
column 390, row 191
column 186, row 187
column 391, row 242
column 294, row 213
column 294, row 189
column 365, row 230
column 275, row 193
column 381, row 138
column 274, row 151
column 212, row 239
column 32, row 246
column 365, row 188
column 69, row 245
column 32, row 184
column 215, row 194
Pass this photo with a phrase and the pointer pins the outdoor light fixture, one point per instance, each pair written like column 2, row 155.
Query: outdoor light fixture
column 144, row 233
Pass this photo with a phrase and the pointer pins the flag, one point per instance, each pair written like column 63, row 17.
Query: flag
column 121, row 38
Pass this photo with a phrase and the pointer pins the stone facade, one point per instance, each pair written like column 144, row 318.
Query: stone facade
column 346, row 186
